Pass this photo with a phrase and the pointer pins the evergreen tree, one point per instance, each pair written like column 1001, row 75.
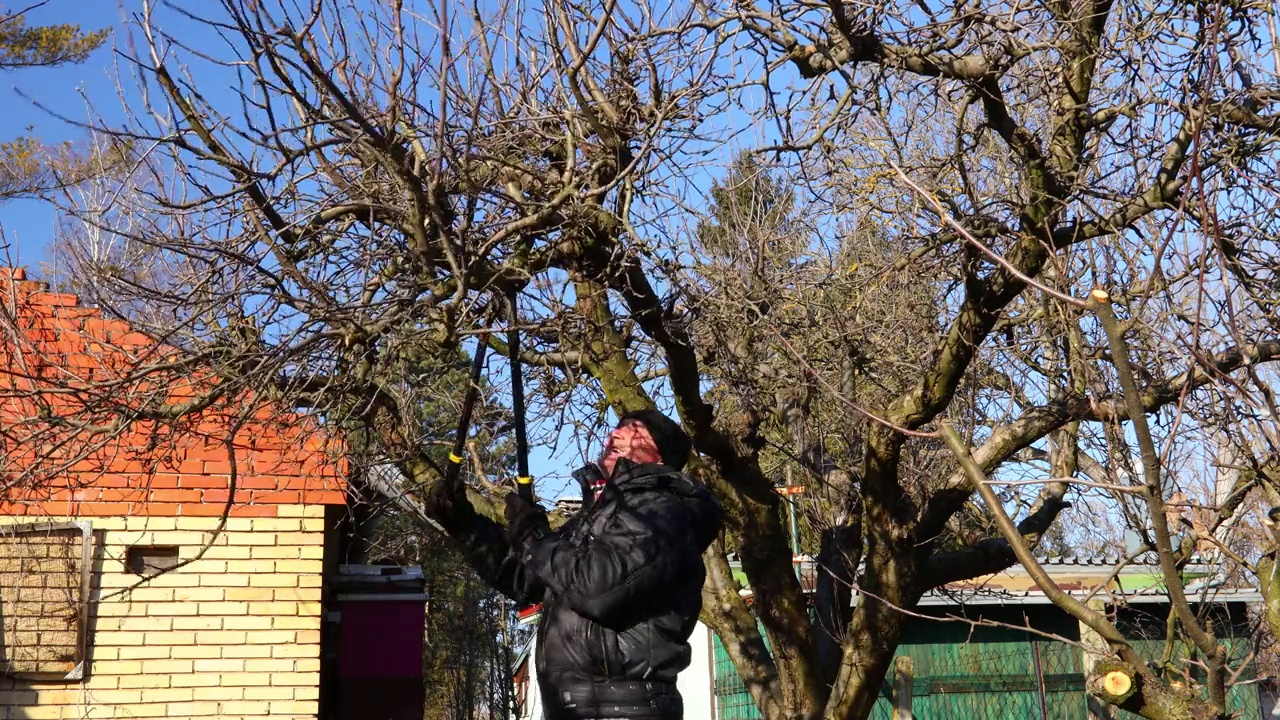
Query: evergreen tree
column 27, row 165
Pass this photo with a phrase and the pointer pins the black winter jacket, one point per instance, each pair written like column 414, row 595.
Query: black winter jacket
column 621, row 588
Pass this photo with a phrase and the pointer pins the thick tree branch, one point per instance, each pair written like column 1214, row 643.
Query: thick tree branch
column 993, row 554
column 1039, row 421
column 1215, row 654
column 1061, row 598
column 1150, row 691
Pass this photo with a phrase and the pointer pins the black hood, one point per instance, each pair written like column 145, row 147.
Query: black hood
column 703, row 508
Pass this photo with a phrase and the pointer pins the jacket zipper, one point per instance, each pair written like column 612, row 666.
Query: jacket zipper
column 604, row 655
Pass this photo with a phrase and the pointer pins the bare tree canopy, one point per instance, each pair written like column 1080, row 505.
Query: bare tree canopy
column 823, row 232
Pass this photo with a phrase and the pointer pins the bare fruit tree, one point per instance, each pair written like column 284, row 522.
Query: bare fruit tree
column 1027, row 155
column 930, row 195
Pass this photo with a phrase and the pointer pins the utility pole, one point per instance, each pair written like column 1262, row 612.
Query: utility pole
column 791, row 515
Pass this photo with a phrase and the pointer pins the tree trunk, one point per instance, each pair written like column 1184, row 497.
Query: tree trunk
column 878, row 623
column 838, row 558
column 1269, row 586
column 728, row 616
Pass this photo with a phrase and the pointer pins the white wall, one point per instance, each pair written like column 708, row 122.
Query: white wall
column 533, row 698
column 695, row 683
column 1270, row 703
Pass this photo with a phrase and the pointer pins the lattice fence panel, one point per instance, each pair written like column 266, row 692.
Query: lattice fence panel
column 43, row 590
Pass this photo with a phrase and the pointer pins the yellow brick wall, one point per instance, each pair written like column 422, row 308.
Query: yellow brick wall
column 233, row 634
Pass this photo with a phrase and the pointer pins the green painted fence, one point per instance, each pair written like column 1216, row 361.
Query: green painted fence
column 989, row 674
column 961, row 673
column 964, row 672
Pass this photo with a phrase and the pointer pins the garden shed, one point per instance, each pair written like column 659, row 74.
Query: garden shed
column 190, row 568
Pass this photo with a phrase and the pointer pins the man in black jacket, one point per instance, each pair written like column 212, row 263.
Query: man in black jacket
column 620, row 582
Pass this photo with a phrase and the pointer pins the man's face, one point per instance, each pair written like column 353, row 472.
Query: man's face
column 630, row 440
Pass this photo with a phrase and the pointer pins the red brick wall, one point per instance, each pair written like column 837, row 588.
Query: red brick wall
column 71, row 385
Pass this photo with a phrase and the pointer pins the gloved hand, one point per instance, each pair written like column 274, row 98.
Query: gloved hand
column 451, row 508
column 526, row 522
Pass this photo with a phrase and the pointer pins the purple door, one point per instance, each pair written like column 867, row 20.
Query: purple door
column 380, row 659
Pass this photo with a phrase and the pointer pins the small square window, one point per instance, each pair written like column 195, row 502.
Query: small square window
column 150, row 560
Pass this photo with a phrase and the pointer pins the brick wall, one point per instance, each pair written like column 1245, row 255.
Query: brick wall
column 40, row 607
column 233, row 634
column 71, row 385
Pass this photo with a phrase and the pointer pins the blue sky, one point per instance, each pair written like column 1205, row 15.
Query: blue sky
column 37, row 96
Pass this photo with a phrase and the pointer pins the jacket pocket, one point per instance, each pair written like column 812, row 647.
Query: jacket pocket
column 604, row 651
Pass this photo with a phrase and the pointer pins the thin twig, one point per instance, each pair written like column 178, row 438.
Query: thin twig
column 1071, row 480
column 974, row 623
column 969, row 238
column 813, row 372
column 1115, row 572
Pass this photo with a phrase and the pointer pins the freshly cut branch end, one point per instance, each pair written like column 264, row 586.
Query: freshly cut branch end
column 1099, row 295
column 1113, row 681
column 1117, row 683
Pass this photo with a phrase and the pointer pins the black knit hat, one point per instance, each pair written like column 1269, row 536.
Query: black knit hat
column 673, row 444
